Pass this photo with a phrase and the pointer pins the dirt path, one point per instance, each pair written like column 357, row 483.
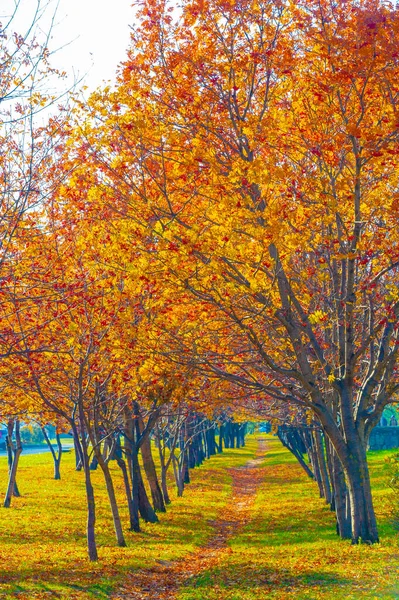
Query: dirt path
column 165, row 579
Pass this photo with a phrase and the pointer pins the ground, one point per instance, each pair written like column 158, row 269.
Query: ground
column 250, row 526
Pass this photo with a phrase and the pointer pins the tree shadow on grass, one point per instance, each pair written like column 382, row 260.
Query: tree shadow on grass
column 58, row 583
column 258, row 582
column 290, row 529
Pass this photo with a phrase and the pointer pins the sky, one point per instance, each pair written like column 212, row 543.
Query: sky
column 91, row 36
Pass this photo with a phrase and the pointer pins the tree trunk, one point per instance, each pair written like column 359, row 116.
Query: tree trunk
column 192, row 455
column 329, row 462
column 364, row 524
column 325, row 482
column 289, row 440
column 312, row 453
column 57, row 461
column 226, row 434
column 164, row 469
column 131, row 461
column 178, row 476
column 211, row 442
column 164, row 485
column 341, row 499
column 147, row 513
column 111, row 496
column 134, row 464
column 221, row 433
column 122, row 465
column 232, row 435
column 237, row 435
column 10, row 455
column 150, row 471
column 78, row 450
column 91, row 505
column 16, row 453
column 186, row 470
column 56, row 457
column 351, row 452
column 243, row 432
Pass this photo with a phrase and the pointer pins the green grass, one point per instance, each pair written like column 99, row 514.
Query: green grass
column 42, row 536
column 290, row 549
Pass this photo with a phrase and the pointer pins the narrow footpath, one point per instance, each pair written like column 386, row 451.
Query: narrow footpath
column 164, row 580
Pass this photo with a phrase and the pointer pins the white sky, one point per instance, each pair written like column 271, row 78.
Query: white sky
column 96, row 31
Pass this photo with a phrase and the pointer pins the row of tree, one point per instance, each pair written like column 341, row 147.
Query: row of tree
column 73, row 348
column 183, row 439
column 317, row 457
column 219, row 229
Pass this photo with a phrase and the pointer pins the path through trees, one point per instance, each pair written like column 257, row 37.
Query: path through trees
column 167, row 578
column 238, row 533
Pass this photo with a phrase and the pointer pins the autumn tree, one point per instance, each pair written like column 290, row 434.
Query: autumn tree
column 257, row 142
column 25, row 150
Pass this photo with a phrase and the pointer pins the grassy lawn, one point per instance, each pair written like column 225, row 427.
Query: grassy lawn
column 290, row 549
column 42, row 535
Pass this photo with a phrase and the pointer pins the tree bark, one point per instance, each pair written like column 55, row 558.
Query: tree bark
column 364, row 524
column 146, row 511
column 179, row 479
column 164, row 467
column 325, row 482
column 131, row 461
column 16, row 453
column 56, row 457
column 122, row 465
column 341, row 499
column 151, row 474
column 91, row 505
column 111, row 496
column 221, row 434
column 351, row 451
column 78, row 450
column 164, row 485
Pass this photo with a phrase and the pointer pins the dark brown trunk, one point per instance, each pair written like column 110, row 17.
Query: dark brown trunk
column 164, row 486
column 237, row 435
column 341, row 499
column 111, row 496
column 186, row 471
column 146, row 511
column 16, row 453
column 211, row 442
column 164, row 468
column 178, row 476
column 351, row 452
column 91, row 505
column 151, row 474
column 135, row 474
column 325, row 481
column 315, row 463
column 128, row 491
column 364, row 525
column 132, row 460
